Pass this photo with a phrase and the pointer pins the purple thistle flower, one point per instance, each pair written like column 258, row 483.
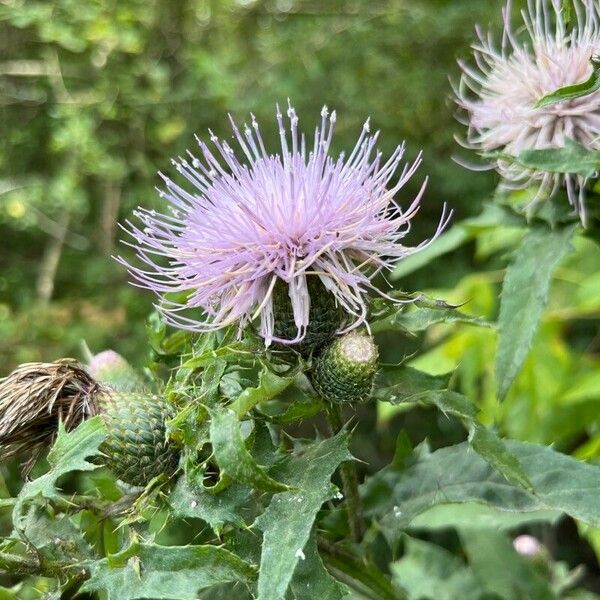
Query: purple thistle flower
column 500, row 92
column 248, row 223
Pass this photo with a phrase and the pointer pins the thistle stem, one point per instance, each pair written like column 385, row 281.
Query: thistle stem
column 349, row 480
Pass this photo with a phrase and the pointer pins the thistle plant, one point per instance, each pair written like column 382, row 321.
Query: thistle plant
column 233, row 468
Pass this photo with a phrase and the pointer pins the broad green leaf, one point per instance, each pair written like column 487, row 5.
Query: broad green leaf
column 311, row 579
column 54, row 537
column 458, row 475
column 501, row 571
column 524, row 296
column 478, row 516
column 270, row 385
column 232, row 456
column 573, row 158
column 288, row 520
column 429, row 571
column 572, row 92
column 145, row 571
column 6, row 594
column 70, row 452
column 414, row 320
column 245, row 349
column 407, row 385
column 189, row 498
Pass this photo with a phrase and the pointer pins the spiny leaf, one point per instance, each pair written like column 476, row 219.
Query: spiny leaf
column 457, row 475
column 270, row 385
column 420, row 319
column 165, row 572
column 189, row 498
column 70, row 453
column 232, row 456
column 399, row 385
column 288, row 520
column 311, row 580
column 524, row 295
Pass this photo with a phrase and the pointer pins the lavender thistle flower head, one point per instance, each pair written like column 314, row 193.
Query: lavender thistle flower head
column 249, row 221
column 500, row 92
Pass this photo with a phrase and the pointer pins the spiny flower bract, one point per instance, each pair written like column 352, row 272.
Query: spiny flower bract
column 249, row 220
column 500, row 93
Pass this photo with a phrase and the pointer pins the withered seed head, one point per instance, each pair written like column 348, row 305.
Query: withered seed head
column 36, row 396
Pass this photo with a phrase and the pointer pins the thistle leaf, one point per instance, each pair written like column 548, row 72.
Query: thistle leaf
column 165, row 572
column 524, row 296
column 288, row 520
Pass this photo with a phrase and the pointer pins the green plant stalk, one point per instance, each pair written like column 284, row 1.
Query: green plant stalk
column 357, row 574
column 349, row 480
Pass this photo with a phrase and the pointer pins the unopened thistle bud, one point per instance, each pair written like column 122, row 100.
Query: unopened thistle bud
column 36, row 396
column 136, row 448
column 345, row 370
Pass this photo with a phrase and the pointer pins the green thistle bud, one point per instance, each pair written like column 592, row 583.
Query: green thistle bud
column 137, row 448
column 345, row 370
column 325, row 317
column 35, row 397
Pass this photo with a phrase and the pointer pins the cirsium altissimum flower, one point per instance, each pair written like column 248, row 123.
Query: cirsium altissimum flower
column 251, row 218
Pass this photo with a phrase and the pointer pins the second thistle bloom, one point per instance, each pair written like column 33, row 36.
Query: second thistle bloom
column 250, row 220
column 500, row 92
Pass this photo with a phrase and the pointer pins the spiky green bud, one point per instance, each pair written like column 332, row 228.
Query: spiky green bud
column 345, row 370
column 325, row 315
column 137, row 448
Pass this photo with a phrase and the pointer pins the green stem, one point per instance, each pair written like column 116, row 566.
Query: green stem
column 349, row 480
column 358, row 575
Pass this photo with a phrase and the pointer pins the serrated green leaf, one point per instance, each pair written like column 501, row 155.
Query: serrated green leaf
column 400, row 385
column 288, row 520
column 270, row 385
column 524, row 296
column 165, row 572
column 232, row 456
column 429, row 571
column 420, row 319
column 478, row 516
column 501, row 571
column 54, row 537
column 571, row 92
column 458, row 475
column 70, row 452
column 190, row 499
column 312, row 580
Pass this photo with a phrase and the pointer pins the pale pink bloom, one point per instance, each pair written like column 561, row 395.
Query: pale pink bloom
column 499, row 92
column 527, row 545
column 246, row 221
